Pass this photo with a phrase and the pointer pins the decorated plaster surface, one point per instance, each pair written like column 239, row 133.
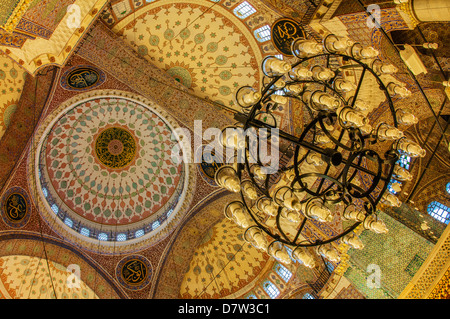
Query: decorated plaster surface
column 204, row 47
column 104, row 163
column 23, row 277
column 12, row 80
column 223, row 263
column 55, row 32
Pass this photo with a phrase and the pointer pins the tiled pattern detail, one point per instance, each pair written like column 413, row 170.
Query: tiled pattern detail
column 397, row 253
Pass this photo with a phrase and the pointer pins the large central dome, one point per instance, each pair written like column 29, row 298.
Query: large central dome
column 106, row 170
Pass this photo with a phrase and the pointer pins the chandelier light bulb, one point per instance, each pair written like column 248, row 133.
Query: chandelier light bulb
column 375, row 225
column 227, row 178
column 354, row 215
column 295, row 88
column 395, row 89
column 412, row 148
column 352, row 117
column 278, row 251
column 247, row 96
column 249, row 190
column 304, row 48
column 402, row 174
column 406, row 118
column 329, row 253
column 318, row 212
column 314, row 159
column 322, row 100
column 304, row 257
column 292, row 203
column 345, row 86
column 366, row 129
column 291, row 215
column 391, row 200
column 278, row 85
column 280, row 99
column 233, row 137
column 266, row 205
column 360, row 105
column 388, row 69
column 369, row 53
column 428, row 45
column 388, row 132
column 396, row 187
column 277, row 66
column 302, row 73
column 254, row 235
column 258, row 173
column 322, row 139
column 338, row 44
column 320, row 73
column 235, row 212
column 352, row 240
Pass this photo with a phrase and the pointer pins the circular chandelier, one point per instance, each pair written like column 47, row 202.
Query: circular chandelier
column 339, row 164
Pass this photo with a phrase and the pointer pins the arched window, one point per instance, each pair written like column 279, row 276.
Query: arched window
column 404, row 161
column 139, row 233
column 447, row 188
column 439, row 211
column 121, row 237
column 283, row 272
column 244, row 10
column 68, row 222
column 55, row 208
column 262, row 34
column 155, row 224
column 103, row 236
column 308, row 296
column 84, row 231
column 270, row 288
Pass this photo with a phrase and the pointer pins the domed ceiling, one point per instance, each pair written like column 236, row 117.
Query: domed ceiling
column 105, row 168
column 199, row 43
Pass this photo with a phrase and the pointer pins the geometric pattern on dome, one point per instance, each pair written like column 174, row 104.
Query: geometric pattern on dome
column 211, row 55
column 105, row 169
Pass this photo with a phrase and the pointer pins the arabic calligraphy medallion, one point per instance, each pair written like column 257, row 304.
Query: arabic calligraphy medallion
column 80, row 78
column 134, row 272
column 15, row 207
column 115, row 147
column 284, row 32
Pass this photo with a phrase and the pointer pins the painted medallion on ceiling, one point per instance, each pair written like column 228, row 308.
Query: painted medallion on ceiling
column 105, row 167
column 15, row 207
column 203, row 46
column 134, row 272
column 82, row 78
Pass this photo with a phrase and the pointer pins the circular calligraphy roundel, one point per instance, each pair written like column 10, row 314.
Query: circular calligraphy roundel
column 115, row 147
column 15, row 207
column 134, row 272
column 284, row 31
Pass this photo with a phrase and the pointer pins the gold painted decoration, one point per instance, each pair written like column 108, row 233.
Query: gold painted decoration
column 82, row 78
column 15, row 207
column 115, row 147
column 284, row 32
column 134, row 272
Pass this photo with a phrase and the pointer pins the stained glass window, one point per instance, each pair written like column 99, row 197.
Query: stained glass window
column 68, row 222
column 308, row 296
column 84, row 231
column 139, row 233
column 283, row 272
column 271, row 289
column 55, row 208
column 244, row 10
column 404, row 161
column 121, row 237
column 262, row 34
column 447, row 188
column 155, row 224
column 439, row 211
column 103, row 236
